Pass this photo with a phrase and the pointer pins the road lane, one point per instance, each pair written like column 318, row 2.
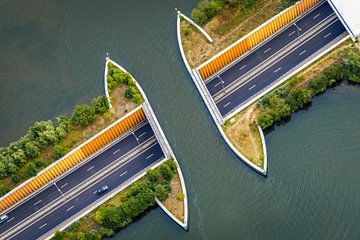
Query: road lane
column 275, row 71
column 66, row 183
column 76, row 204
column 268, row 49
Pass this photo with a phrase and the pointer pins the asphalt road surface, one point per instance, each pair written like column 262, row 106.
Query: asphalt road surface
column 64, row 185
column 268, row 49
column 276, row 70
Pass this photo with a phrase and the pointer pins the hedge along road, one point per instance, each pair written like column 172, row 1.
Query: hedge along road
column 244, row 65
column 130, row 142
column 279, row 68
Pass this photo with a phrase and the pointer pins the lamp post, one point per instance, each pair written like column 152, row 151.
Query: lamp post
column 298, row 29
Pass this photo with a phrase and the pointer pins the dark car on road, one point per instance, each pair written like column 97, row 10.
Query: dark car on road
column 102, row 189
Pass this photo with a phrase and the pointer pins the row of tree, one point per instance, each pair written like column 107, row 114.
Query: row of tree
column 41, row 135
column 206, row 9
column 280, row 103
column 140, row 197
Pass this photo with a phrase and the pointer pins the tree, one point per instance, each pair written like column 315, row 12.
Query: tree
column 3, row 189
column 111, row 218
column 106, row 232
column 137, row 204
column 162, row 191
column 83, row 115
column 100, row 104
column 31, row 169
column 59, row 151
column 166, row 172
column 31, row 149
column 265, row 120
column 91, row 235
column 3, row 172
column 153, row 175
column 19, row 157
column 171, row 164
column 298, row 98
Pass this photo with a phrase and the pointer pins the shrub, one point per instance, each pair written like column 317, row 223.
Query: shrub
column 111, row 218
column 153, row 176
column 59, row 151
column 106, row 116
column 137, row 98
column 265, row 120
column 15, row 179
column 31, row 169
column 171, row 164
column 138, row 203
column 130, row 92
column 166, row 172
column 186, row 31
column 298, row 98
column 205, row 10
column 3, row 189
column 39, row 163
column 180, row 196
column 100, row 104
column 162, row 191
column 83, row 115
column 106, row 232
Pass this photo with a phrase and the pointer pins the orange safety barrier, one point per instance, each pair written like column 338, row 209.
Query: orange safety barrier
column 255, row 38
column 73, row 158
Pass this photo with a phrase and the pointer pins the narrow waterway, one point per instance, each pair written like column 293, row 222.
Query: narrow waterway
column 53, row 58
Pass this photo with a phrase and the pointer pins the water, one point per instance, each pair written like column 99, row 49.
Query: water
column 53, row 56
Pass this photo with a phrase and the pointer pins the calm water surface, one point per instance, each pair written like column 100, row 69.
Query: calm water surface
column 53, row 56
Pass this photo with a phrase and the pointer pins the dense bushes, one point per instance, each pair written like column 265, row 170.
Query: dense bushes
column 139, row 197
column 83, row 114
column 207, row 9
column 279, row 104
column 285, row 4
column 41, row 135
column 116, row 77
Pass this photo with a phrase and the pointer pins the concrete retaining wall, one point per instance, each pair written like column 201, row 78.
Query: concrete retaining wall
column 106, row 83
column 210, row 105
column 196, row 26
column 165, row 146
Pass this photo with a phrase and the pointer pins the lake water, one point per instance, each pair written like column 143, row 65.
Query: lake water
column 53, row 55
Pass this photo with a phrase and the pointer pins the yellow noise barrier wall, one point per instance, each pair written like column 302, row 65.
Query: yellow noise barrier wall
column 255, row 38
column 73, row 158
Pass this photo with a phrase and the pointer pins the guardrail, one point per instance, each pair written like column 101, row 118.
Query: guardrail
column 253, row 38
column 71, row 159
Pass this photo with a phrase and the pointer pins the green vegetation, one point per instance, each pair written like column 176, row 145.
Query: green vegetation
column 18, row 160
column 206, row 9
column 289, row 98
column 124, row 207
column 285, row 4
column 116, row 77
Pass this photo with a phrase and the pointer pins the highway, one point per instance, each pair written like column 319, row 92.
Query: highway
column 272, row 73
column 265, row 51
column 63, row 188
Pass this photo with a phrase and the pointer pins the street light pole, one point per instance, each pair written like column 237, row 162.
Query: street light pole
column 222, row 82
column 136, row 138
column 298, row 29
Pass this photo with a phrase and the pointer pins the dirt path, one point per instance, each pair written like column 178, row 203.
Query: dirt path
column 245, row 136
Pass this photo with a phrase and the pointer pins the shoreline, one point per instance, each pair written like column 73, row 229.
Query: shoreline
column 218, row 125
